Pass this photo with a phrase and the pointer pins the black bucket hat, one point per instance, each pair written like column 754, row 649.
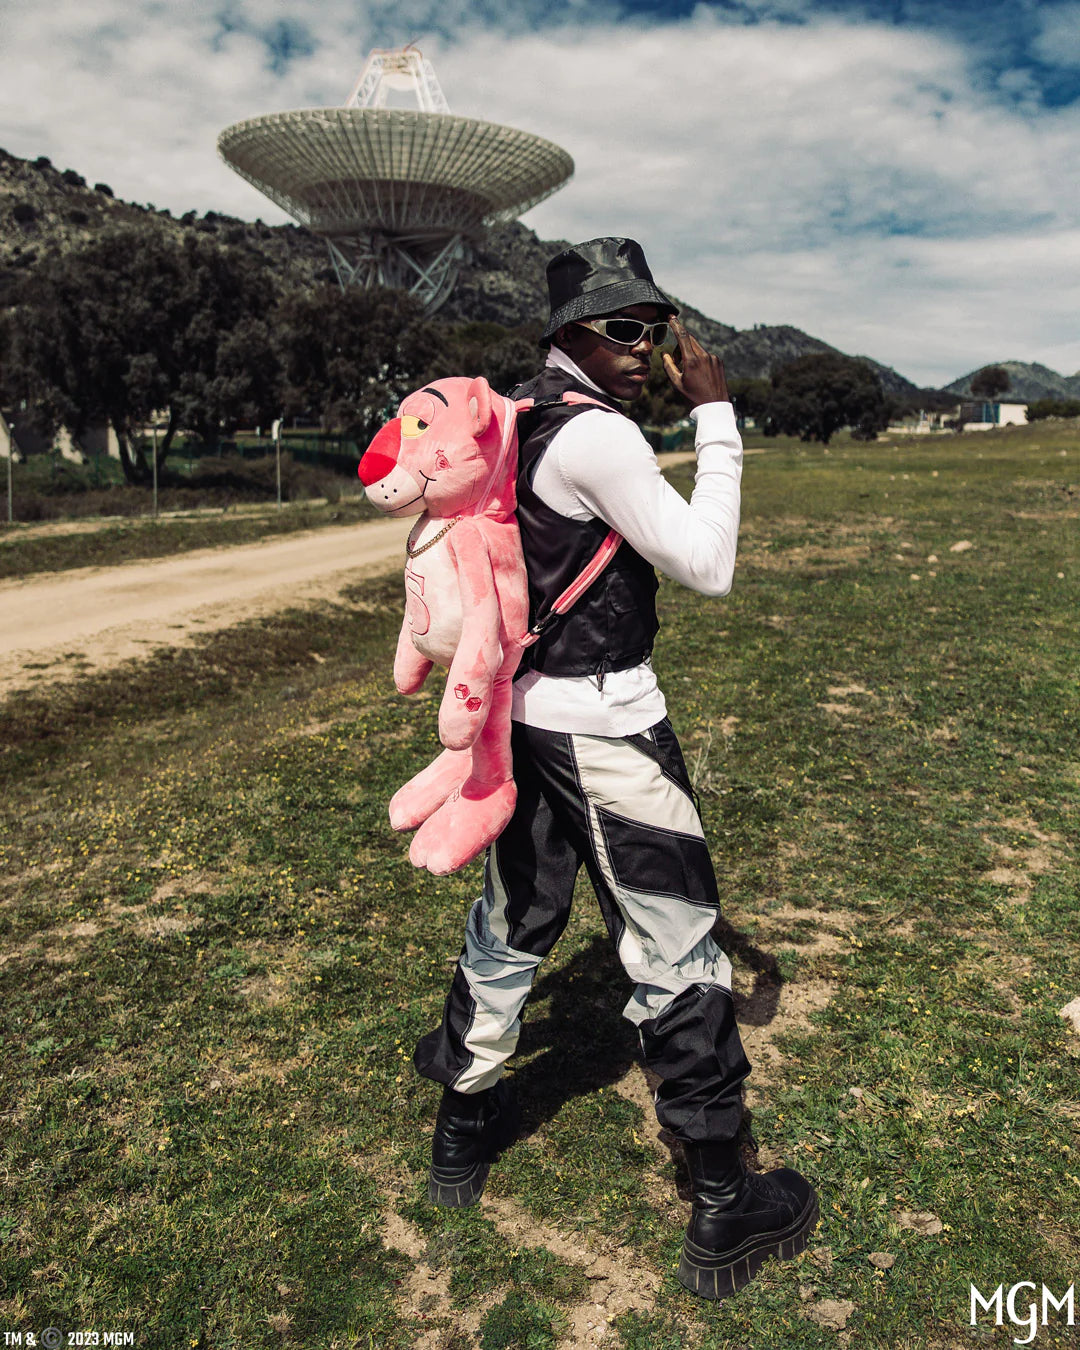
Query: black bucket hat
column 599, row 277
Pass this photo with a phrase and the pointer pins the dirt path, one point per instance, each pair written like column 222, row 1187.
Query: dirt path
column 59, row 625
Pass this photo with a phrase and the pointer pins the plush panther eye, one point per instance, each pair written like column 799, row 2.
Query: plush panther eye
column 412, row 426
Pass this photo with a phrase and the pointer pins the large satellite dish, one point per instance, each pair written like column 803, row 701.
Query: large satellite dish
column 397, row 192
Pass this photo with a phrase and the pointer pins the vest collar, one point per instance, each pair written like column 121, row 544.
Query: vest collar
column 557, row 378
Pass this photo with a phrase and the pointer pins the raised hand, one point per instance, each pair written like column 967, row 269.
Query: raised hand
column 701, row 376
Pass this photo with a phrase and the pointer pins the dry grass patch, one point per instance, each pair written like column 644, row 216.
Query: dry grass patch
column 798, row 1001
column 424, row 1294
column 618, row 1281
column 1017, row 865
column 189, row 884
column 778, row 918
column 637, row 1086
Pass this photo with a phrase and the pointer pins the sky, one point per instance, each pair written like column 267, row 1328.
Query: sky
column 900, row 178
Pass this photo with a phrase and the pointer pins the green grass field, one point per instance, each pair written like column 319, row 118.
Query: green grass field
column 216, row 958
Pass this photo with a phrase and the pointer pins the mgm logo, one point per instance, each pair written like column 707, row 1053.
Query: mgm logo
column 1002, row 1302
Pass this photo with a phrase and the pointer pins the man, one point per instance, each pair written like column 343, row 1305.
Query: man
column 600, row 775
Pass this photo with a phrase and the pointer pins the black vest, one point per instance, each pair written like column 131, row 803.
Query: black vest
column 613, row 625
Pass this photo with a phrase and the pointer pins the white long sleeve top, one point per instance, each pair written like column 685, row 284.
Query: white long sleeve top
column 601, row 466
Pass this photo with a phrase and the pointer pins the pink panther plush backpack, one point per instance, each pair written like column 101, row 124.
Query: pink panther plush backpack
column 450, row 457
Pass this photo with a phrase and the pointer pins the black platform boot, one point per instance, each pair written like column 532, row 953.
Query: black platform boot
column 470, row 1129
column 740, row 1219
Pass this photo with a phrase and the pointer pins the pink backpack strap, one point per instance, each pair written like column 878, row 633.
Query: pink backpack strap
column 571, row 397
column 600, row 558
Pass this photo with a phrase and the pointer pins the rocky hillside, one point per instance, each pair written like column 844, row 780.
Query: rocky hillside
column 1027, row 382
column 43, row 207
column 504, row 283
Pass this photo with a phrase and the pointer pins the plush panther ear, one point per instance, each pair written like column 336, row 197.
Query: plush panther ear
column 479, row 403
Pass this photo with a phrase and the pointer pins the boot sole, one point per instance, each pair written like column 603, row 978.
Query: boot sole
column 463, row 1187
column 718, row 1275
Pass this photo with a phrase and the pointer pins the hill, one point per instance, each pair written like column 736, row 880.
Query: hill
column 1027, row 381
column 504, row 283
column 44, row 208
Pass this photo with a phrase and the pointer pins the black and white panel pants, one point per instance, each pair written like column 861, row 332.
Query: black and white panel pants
column 623, row 807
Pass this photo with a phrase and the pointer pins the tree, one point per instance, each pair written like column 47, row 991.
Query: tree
column 750, row 397
column 814, row 396
column 223, row 368
column 990, row 382
column 134, row 323
column 505, row 357
column 350, row 357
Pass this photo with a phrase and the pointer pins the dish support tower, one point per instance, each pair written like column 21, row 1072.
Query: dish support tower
column 423, row 261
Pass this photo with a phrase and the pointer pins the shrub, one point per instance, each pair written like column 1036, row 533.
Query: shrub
column 1053, row 407
column 23, row 213
column 233, row 478
column 104, row 189
column 58, row 489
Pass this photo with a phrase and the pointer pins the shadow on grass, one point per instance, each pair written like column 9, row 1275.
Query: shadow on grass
column 761, row 1004
column 583, row 1043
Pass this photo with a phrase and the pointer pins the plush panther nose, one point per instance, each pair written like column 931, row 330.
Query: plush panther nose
column 381, row 455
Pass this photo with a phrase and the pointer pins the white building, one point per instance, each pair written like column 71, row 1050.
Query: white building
column 987, row 416
column 99, row 439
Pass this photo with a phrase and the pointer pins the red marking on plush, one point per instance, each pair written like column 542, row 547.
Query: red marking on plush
column 382, row 454
column 474, row 587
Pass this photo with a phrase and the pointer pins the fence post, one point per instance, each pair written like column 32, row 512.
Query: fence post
column 276, row 433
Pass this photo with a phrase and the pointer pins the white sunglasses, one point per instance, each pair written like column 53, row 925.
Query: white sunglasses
column 627, row 332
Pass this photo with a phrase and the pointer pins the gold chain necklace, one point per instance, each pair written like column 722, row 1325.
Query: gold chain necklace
column 411, row 552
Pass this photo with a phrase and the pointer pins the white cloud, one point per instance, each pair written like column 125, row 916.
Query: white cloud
column 932, row 308
column 768, row 172
column 845, row 178
column 1058, row 44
